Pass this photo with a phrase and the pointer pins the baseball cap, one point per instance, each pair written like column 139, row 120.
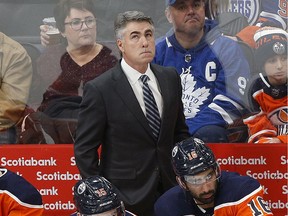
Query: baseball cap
column 170, row 2
column 270, row 41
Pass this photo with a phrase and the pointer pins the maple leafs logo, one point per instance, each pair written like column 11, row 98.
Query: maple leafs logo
column 192, row 98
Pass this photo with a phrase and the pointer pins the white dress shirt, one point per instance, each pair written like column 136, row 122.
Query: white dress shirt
column 136, row 84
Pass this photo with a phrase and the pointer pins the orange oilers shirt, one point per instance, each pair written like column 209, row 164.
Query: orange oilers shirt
column 271, row 112
column 18, row 197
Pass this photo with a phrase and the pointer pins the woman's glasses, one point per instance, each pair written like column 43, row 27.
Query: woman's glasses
column 76, row 24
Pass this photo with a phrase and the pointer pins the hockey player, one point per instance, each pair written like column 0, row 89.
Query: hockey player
column 204, row 190
column 18, row 196
column 213, row 70
column 98, row 197
column 269, row 123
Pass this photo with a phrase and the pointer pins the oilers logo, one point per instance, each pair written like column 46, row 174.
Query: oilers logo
column 279, row 48
column 279, row 116
column 174, row 151
column 249, row 8
column 81, row 188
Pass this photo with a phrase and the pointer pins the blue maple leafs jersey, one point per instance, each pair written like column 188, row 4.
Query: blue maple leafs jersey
column 214, row 76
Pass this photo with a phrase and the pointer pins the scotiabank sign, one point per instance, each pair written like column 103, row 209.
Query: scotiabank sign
column 52, row 170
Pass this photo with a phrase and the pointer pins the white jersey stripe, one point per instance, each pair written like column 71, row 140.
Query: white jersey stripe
column 239, row 201
column 222, row 112
column 19, row 201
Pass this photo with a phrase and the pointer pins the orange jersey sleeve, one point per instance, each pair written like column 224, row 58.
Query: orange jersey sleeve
column 12, row 206
column 259, row 126
column 250, row 205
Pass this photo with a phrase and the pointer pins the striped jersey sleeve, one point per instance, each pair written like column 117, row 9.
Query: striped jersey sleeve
column 18, row 196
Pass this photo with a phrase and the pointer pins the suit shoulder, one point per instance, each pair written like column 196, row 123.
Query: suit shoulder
column 101, row 79
column 166, row 69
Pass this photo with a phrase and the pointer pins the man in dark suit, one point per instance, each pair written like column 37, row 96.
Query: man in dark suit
column 113, row 114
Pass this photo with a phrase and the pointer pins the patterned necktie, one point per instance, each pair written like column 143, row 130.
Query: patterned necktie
column 152, row 112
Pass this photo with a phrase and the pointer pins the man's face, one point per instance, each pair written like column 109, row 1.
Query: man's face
column 138, row 45
column 276, row 69
column 187, row 16
column 203, row 186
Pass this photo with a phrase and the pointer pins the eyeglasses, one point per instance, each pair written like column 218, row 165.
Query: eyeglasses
column 76, row 24
column 198, row 181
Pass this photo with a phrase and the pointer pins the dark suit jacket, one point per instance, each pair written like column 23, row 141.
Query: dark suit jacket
column 131, row 158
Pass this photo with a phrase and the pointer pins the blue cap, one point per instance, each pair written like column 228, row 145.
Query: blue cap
column 170, row 2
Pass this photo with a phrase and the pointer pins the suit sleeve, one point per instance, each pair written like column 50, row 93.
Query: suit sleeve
column 90, row 130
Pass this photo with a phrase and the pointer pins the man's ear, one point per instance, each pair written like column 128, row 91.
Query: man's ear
column 181, row 183
column 168, row 15
column 120, row 45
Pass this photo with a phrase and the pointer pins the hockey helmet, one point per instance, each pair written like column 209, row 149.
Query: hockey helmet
column 192, row 156
column 96, row 195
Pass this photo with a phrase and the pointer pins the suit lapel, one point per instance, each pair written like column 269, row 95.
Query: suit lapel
column 162, row 81
column 164, row 90
column 125, row 92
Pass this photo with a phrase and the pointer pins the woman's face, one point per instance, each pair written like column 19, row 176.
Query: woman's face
column 77, row 32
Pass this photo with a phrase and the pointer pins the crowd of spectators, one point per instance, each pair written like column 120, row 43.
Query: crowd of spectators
column 63, row 69
column 59, row 88
column 201, row 78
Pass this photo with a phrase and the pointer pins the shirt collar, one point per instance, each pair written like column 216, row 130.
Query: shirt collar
column 134, row 75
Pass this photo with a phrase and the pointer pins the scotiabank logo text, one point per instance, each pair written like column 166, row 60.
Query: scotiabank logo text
column 27, row 162
column 56, row 176
column 242, row 161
